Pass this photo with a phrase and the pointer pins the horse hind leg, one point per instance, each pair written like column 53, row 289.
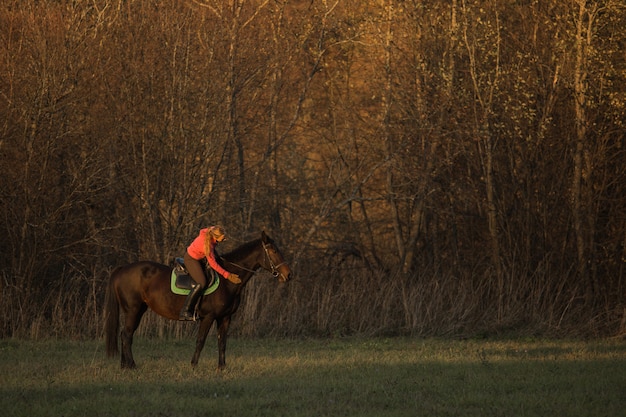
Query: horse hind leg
column 131, row 322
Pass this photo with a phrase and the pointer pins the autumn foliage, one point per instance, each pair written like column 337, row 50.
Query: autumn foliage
column 430, row 168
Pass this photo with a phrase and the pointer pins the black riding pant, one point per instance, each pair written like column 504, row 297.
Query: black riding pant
column 195, row 270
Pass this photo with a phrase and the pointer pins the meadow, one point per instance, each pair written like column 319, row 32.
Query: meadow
column 317, row 377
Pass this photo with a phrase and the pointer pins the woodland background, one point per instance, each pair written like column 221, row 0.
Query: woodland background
column 453, row 168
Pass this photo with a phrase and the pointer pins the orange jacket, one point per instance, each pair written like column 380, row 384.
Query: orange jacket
column 196, row 251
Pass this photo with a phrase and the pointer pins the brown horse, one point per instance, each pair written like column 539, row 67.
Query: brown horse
column 141, row 285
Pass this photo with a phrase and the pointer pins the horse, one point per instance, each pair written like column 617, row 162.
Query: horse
column 145, row 284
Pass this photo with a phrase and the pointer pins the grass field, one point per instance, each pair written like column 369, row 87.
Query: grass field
column 334, row 377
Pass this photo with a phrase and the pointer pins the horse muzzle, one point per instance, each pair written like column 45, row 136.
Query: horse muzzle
column 282, row 275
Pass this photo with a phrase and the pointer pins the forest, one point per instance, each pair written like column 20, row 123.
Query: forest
column 445, row 168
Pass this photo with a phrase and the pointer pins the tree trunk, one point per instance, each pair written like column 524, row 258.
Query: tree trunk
column 583, row 221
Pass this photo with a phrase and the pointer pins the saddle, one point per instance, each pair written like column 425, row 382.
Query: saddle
column 182, row 282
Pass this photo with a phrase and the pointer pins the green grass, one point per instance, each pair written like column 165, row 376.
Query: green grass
column 334, row 377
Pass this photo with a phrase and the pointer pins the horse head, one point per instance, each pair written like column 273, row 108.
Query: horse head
column 274, row 260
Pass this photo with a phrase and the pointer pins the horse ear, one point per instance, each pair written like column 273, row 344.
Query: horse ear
column 263, row 236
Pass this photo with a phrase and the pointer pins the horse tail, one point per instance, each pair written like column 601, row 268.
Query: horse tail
column 112, row 317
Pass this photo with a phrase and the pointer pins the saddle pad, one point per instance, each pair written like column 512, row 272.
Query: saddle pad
column 182, row 291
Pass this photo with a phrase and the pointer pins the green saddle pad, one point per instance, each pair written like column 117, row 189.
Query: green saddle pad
column 180, row 290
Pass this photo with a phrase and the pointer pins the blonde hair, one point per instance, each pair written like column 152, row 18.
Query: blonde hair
column 213, row 232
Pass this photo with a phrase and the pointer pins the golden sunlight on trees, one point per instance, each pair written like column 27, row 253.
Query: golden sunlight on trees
column 443, row 167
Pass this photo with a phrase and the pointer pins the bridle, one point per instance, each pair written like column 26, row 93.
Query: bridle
column 275, row 271
column 273, row 266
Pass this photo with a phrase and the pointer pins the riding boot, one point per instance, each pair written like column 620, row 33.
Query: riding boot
column 188, row 311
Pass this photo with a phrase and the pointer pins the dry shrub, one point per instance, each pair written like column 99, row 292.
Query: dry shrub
column 344, row 300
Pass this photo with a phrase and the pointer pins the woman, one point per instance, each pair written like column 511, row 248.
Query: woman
column 203, row 246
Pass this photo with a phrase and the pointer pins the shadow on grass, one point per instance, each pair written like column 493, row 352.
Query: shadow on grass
column 334, row 380
column 564, row 389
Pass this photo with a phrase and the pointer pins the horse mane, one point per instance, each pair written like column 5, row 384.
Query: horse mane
column 242, row 250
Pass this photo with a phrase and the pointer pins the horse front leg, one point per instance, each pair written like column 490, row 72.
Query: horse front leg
column 203, row 331
column 222, row 334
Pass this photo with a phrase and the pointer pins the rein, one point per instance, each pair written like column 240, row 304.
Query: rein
column 273, row 266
